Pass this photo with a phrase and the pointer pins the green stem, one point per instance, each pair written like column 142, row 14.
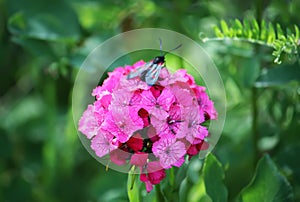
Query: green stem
column 254, row 124
column 256, row 41
column 259, row 12
column 159, row 195
column 172, row 177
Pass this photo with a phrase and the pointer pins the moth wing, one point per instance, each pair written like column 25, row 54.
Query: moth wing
column 152, row 74
column 139, row 71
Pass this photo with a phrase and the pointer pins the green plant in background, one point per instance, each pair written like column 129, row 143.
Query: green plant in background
column 44, row 42
column 263, row 34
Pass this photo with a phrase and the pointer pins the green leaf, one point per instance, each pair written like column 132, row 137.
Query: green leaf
column 283, row 43
column 282, row 74
column 133, row 188
column 297, row 35
column 279, row 30
column 247, row 29
column 268, row 184
column 251, row 70
column 238, row 27
column 45, row 20
column 255, row 29
column 224, row 27
column 180, row 175
column 213, row 175
column 264, row 30
column 288, row 159
column 184, row 190
column 271, row 33
column 218, row 32
column 197, row 193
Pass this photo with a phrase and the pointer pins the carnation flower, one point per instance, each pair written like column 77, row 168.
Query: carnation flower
column 152, row 127
column 169, row 151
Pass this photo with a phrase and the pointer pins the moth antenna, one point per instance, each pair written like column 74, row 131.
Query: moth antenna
column 173, row 49
column 160, row 45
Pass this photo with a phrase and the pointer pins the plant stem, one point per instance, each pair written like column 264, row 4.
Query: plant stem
column 255, row 41
column 254, row 124
column 159, row 195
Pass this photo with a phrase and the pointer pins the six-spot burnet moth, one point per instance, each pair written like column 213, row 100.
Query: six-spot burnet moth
column 150, row 71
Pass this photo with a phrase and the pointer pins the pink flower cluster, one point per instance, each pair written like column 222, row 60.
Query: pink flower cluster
column 151, row 127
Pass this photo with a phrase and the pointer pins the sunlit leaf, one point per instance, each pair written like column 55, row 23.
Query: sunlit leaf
column 213, row 175
column 134, row 188
column 267, row 184
column 280, row 75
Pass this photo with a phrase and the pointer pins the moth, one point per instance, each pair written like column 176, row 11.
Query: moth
column 149, row 72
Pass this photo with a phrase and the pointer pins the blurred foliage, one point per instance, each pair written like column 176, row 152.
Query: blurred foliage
column 43, row 44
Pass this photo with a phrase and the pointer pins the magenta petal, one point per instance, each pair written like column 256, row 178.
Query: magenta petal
column 156, row 90
column 121, row 98
column 119, row 156
column 149, row 186
column 148, row 100
column 139, row 159
column 155, row 172
column 154, row 166
column 143, row 177
column 109, row 125
column 205, row 104
column 192, row 151
column 168, row 150
column 102, row 143
column 179, row 162
column 113, row 79
column 88, row 123
column 160, row 125
column 166, row 99
column 135, row 142
column 133, row 84
column 157, row 176
column 138, row 64
column 184, row 96
column 97, row 91
column 178, row 76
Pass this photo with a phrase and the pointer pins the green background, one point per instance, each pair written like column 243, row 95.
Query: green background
column 42, row 45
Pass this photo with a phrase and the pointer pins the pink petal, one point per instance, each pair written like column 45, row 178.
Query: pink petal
column 149, row 186
column 178, row 76
column 119, row 156
column 179, row 162
column 205, row 104
column 169, row 151
column 135, row 142
column 138, row 64
column 133, row 84
column 156, row 90
column 113, row 79
column 184, row 95
column 139, row 159
column 166, row 99
column 102, row 143
column 121, row 98
column 192, row 150
column 110, row 125
column 157, row 176
column 154, row 166
column 160, row 125
column 89, row 123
